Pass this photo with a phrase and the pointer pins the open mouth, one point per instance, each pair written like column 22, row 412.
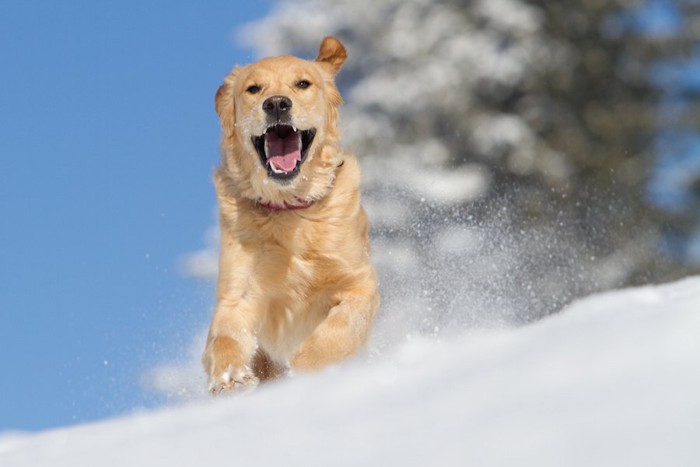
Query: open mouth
column 282, row 149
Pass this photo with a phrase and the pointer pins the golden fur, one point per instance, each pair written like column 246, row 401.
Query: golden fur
column 296, row 288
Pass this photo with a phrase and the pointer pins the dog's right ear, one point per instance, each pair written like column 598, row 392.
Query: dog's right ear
column 224, row 102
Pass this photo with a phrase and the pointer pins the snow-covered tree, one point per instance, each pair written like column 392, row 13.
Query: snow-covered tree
column 504, row 143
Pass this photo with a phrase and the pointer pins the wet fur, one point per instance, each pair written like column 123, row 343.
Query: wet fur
column 296, row 288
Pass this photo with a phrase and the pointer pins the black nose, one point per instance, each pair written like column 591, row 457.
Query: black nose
column 277, row 107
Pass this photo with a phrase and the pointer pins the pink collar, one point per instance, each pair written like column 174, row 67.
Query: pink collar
column 302, row 204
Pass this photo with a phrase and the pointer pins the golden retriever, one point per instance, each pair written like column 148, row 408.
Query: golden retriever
column 296, row 289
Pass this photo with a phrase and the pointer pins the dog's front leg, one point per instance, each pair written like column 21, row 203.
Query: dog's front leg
column 341, row 334
column 232, row 340
column 230, row 348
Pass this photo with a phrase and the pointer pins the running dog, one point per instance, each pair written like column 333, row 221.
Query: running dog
column 296, row 288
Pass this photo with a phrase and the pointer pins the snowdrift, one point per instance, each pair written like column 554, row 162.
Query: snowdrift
column 613, row 379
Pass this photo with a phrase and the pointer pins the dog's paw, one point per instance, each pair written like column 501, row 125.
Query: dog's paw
column 232, row 379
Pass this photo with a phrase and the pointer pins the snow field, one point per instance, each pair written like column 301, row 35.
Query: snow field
column 613, row 379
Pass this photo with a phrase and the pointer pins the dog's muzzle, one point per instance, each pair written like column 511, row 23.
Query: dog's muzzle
column 282, row 148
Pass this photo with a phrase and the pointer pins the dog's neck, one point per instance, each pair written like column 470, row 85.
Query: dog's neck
column 297, row 205
column 300, row 204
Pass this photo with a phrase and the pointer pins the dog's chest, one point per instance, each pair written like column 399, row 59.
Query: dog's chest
column 295, row 309
column 298, row 297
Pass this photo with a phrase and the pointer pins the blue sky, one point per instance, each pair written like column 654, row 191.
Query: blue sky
column 108, row 138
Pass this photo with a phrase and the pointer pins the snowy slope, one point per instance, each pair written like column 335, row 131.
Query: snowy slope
column 612, row 380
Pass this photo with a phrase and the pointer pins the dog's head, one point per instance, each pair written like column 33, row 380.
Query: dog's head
column 280, row 141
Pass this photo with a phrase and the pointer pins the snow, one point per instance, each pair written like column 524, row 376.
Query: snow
column 612, row 380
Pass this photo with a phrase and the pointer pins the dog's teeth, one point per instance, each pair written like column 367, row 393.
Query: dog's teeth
column 294, row 128
column 275, row 169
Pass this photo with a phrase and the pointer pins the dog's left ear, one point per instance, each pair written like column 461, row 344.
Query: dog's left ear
column 333, row 53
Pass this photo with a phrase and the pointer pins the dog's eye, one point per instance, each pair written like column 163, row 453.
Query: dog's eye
column 303, row 84
column 253, row 89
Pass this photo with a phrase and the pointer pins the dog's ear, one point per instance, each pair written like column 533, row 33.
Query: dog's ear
column 223, row 101
column 333, row 53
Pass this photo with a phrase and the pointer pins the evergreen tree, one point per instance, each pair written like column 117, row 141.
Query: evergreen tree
column 506, row 146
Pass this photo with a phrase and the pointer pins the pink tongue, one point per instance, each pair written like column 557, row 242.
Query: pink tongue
column 283, row 153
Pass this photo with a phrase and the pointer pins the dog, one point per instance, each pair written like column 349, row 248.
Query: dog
column 296, row 290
